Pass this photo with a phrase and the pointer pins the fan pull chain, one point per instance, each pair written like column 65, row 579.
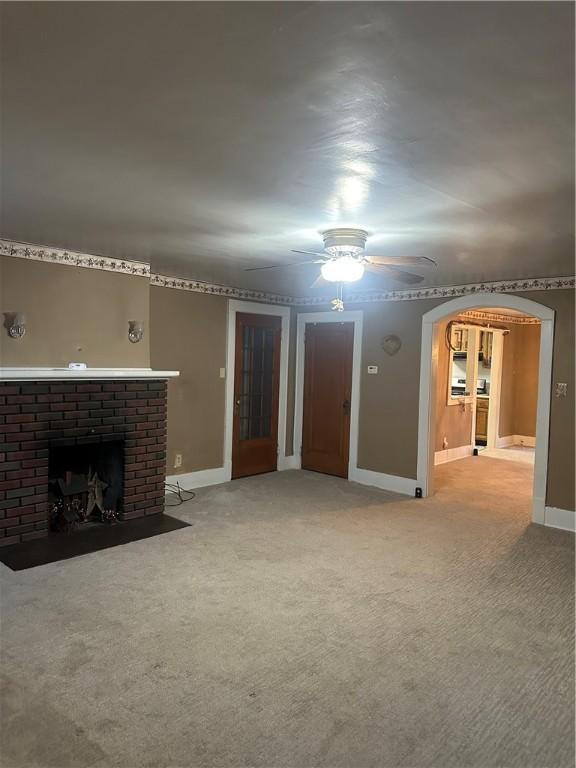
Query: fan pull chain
column 338, row 302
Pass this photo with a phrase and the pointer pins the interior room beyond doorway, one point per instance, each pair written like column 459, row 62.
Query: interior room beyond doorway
column 487, row 386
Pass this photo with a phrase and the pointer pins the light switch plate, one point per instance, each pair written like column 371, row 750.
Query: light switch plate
column 372, row 369
column 222, row 373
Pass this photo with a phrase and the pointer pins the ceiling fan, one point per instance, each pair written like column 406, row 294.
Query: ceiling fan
column 344, row 261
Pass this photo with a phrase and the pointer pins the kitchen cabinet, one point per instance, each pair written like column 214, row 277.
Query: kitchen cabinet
column 482, row 405
column 459, row 339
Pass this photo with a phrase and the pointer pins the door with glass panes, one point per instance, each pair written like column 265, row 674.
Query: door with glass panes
column 256, row 385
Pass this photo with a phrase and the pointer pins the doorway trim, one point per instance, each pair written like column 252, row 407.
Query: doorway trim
column 357, row 318
column 248, row 307
column 428, row 376
column 495, row 387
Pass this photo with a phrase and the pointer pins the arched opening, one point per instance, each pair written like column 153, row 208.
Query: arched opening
column 428, row 383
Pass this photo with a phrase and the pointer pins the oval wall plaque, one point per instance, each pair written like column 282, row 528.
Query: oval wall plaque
column 391, row 344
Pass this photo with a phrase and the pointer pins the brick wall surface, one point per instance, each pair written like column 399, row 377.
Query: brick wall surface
column 37, row 415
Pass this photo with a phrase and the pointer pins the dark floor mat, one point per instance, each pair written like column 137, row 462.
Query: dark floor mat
column 64, row 546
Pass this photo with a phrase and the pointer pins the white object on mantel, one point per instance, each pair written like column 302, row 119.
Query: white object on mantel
column 39, row 374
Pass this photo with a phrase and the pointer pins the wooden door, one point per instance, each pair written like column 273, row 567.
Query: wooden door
column 327, row 394
column 256, row 384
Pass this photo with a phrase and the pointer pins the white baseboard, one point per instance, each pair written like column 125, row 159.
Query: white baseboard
column 452, row 454
column 199, row 479
column 205, row 477
column 508, row 440
column 560, row 518
column 392, row 483
column 288, row 462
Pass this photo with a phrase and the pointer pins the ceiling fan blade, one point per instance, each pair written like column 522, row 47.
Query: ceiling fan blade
column 402, row 261
column 312, row 253
column 282, row 266
column 394, row 274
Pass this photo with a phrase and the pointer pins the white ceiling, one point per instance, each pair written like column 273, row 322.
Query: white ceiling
column 209, row 137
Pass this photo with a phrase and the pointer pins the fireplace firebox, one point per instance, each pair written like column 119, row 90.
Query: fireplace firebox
column 85, row 485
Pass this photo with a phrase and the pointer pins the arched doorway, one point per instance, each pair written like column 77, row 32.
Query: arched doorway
column 428, row 373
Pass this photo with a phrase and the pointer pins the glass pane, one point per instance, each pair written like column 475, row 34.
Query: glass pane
column 458, row 362
column 484, row 363
column 256, row 383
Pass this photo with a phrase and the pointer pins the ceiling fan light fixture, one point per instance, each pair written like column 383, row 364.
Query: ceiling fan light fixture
column 341, row 241
column 346, row 269
column 343, row 250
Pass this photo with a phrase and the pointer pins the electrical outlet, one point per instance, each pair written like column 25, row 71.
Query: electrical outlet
column 177, row 460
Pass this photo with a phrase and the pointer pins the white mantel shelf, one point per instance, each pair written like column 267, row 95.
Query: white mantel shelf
column 41, row 374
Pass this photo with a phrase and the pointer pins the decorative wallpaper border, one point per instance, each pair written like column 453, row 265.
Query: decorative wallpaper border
column 495, row 317
column 74, row 259
column 453, row 291
column 199, row 286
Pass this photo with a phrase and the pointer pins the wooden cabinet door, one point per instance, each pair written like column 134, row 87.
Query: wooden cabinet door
column 481, row 421
column 327, row 393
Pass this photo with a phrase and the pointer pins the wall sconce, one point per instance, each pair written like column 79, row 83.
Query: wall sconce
column 135, row 330
column 15, row 324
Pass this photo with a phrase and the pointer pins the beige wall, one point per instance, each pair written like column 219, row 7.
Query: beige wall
column 562, row 416
column 72, row 307
column 519, row 397
column 388, row 423
column 388, row 430
column 527, row 360
column 73, row 314
column 188, row 333
column 2, row 328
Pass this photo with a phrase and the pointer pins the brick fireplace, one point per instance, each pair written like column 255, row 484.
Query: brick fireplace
column 38, row 416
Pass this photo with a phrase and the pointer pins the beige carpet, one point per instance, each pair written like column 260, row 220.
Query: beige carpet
column 304, row 621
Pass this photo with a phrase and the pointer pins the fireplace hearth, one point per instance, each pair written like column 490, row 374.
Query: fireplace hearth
column 55, row 436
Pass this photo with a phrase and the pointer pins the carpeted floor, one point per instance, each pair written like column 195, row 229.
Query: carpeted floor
column 303, row 621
